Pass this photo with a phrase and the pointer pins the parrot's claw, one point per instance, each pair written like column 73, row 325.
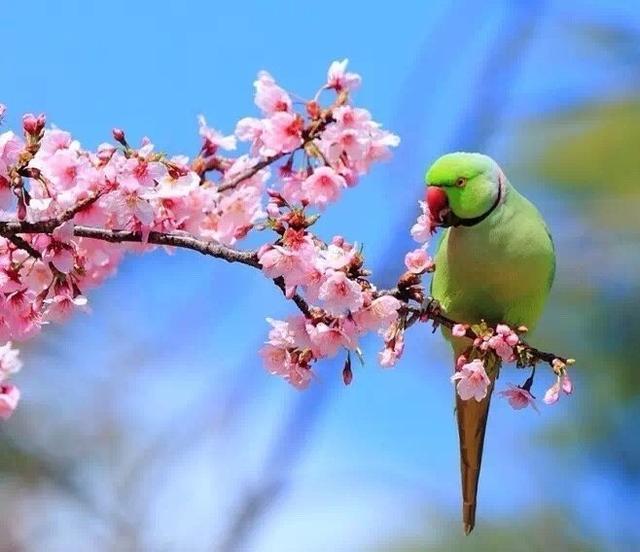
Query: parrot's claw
column 431, row 306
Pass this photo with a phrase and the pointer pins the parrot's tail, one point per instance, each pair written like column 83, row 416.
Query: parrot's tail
column 472, row 421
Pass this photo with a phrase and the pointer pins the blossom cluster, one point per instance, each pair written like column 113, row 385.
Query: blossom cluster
column 505, row 344
column 298, row 158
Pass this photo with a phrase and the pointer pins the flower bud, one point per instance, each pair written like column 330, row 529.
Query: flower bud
column 33, row 125
column 118, row 136
column 347, row 373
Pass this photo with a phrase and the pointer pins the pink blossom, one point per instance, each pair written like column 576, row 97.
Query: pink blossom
column 323, row 186
column 507, row 334
column 553, row 393
column 424, row 226
column 214, row 139
column 275, row 358
column 291, row 333
column 10, row 148
column 9, row 361
column 296, row 266
column 379, row 314
column 61, row 255
column 62, row 168
column 347, row 116
column 563, row 384
column 292, row 186
column 418, row 261
column 459, row 330
column 340, row 294
column 9, row 398
column 282, row 132
column 392, row 352
column 298, row 376
column 325, row 340
column 250, row 129
column 279, row 361
column 387, row 358
column 336, row 257
column 53, row 140
column 473, row 381
column 503, row 342
column 140, row 173
column 270, row 98
column 60, row 306
column 518, row 397
column 339, row 79
column 280, row 335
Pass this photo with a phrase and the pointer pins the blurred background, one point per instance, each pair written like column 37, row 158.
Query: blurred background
column 150, row 424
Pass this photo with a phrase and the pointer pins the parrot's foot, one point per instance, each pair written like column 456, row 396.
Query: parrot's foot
column 431, row 308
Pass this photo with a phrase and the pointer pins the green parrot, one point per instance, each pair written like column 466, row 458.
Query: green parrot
column 496, row 262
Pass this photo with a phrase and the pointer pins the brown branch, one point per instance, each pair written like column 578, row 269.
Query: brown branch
column 296, row 298
column 430, row 310
column 23, row 244
column 253, row 170
column 184, row 241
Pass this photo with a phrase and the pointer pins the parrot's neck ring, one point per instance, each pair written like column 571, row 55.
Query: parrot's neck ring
column 477, row 220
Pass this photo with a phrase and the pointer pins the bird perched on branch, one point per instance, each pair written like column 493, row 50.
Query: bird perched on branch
column 496, row 262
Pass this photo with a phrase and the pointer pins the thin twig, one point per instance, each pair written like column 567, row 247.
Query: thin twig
column 308, row 135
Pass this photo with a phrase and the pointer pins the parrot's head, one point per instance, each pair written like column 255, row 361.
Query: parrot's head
column 463, row 188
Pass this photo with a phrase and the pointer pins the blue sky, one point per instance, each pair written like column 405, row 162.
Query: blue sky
column 183, row 330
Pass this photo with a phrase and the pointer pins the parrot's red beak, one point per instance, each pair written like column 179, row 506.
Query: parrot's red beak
column 438, row 204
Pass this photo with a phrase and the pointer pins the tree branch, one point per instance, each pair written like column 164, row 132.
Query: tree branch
column 430, row 310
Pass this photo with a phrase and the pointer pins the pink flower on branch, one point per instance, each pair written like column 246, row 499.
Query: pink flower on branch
column 323, row 186
column 340, row 294
column 270, row 98
column 519, row 397
column 473, row 381
column 418, row 261
column 339, row 79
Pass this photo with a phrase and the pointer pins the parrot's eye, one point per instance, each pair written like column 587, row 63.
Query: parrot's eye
column 461, row 182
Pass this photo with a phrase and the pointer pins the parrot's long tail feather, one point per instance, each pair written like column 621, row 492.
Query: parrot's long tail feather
column 472, row 422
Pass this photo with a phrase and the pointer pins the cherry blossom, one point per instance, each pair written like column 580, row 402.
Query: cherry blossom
column 339, row 79
column 473, row 381
column 213, row 139
column 519, row 397
column 270, row 98
column 340, row 294
column 418, row 261
column 562, row 385
column 552, row 394
column 424, row 226
column 323, row 186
